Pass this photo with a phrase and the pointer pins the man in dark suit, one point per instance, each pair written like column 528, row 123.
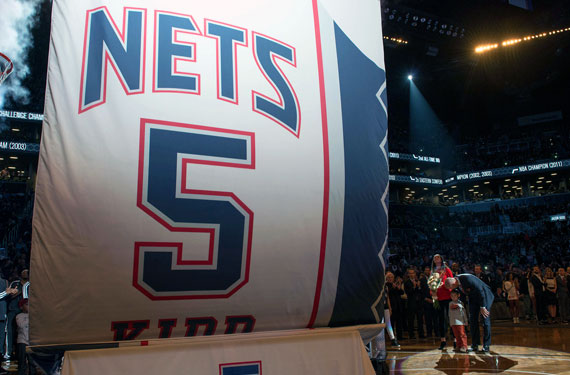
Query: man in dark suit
column 413, row 290
column 480, row 301
column 539, row 294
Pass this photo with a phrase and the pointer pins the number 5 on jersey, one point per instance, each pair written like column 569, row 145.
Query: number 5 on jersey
column 166, row 150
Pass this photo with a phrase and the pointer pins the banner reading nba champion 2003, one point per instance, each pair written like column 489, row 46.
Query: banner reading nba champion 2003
column 209, row 168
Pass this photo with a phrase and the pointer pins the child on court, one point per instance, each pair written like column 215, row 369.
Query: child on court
column 458, row 320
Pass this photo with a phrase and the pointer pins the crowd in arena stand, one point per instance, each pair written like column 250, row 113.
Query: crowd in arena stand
column 22, row 135
column 488, row 152
column 533, row 294
column 529, row 272
column 531, row 266
column 15, row 237
column 493, row 150
column 11, row 205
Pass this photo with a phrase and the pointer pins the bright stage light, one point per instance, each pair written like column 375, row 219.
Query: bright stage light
column 511, row 42
column 410, row 77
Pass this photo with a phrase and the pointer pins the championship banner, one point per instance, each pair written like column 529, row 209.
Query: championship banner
column 338, row 351
column 210, row 168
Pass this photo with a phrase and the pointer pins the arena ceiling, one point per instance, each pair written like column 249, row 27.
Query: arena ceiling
column 473, row 92
column 469, row 92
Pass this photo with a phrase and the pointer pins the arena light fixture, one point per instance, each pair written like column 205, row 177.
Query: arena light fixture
column 475, row 186
column 548, row 182
column 486, row 47
column 410, row 77
column 514, row 41
column 14, row 157
column 507, row 179
column 505, row 185
column 454, row 187
column 15, row 129
column 396, row 40
column 407, row 188
column 541, row 178
column 517, row 180
column 11, row 167
column 425, row 188
column 487, row 182
column 553, row 174
column 539, row 182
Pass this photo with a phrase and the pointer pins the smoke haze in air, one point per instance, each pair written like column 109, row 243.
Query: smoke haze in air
column 17, row 18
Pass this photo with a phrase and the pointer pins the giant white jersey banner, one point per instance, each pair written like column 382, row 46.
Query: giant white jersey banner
column 210, row 167
column 300, row 352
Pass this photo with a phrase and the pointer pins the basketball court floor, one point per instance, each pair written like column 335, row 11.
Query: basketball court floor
column 516, row 349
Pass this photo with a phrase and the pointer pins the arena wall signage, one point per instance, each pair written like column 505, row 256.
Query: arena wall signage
column 19, row 146
column 516, row 170
column 413, row 157
column 210, row 168
column 491, row 173
column 16, row 115
column 416, row 180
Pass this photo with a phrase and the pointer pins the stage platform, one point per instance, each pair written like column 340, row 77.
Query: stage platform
column 524, row 348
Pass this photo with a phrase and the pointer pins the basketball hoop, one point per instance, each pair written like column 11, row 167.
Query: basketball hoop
column 6, row 67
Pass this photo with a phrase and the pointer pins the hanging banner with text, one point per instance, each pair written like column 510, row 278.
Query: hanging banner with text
column 307, row 352
column 209, row 168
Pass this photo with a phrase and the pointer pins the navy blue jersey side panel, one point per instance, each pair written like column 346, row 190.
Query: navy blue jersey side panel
column 360, row 281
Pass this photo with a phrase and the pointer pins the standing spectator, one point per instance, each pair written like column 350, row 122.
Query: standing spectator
column 387, row 320
column 25, row 281
column 455, row 269
column 394, row 294
column 415, row 306
column 478, row 271
column 458, row 320
column 13, row 310
column 497, row 282
column 23, row 323
column 538, row 288
column 511, row 290
column 443, row 298
column 524, row 295
column 429, row 311
column 403, row 301
column 562, row 294
column 3, row 310
column 550, row 294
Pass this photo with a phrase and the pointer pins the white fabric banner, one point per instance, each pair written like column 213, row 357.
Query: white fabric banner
column 209, row 167
column 308, row 352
